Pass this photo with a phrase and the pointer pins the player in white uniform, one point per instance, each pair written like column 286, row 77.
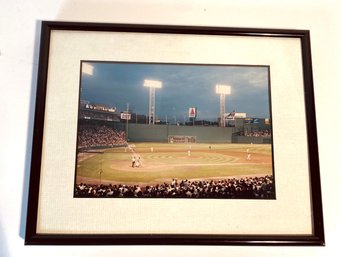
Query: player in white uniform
column 248, row 154
column 137, row 163
column 133, row 161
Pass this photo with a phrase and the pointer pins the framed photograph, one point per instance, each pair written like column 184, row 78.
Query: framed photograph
column 158, row 134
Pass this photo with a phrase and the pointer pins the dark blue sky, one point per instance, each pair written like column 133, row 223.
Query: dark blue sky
column 183, row 86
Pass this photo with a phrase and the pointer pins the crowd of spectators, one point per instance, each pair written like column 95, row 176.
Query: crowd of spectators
column 261, row 133
column 232, row 188
column 100, row 136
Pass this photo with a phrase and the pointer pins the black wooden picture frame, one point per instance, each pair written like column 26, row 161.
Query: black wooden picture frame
column 316, row 238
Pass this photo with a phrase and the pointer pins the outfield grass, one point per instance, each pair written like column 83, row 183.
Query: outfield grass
column 162, row 162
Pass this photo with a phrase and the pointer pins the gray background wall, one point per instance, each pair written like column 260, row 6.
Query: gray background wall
column 19, row 34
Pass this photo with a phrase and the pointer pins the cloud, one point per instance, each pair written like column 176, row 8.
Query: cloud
column 257, row 78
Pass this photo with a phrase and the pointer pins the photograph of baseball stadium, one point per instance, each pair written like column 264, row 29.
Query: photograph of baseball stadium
column 155, row 130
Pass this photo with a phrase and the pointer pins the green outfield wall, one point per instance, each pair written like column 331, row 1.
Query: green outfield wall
column 160, row 133
column 249, row 140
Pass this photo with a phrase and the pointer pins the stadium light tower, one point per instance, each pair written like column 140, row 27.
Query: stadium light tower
column 222, row 90
column 152, row 84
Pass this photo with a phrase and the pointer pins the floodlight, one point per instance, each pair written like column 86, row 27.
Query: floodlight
column 223, row 89
column 152, row 83
column 87, row 69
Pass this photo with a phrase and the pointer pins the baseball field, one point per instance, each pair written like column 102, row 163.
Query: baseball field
column 161, row 162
